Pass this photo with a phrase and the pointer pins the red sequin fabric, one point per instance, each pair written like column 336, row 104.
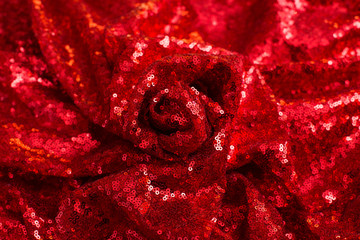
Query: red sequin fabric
column 179, row 119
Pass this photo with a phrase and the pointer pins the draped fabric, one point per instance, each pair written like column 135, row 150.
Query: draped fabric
column 184, row 119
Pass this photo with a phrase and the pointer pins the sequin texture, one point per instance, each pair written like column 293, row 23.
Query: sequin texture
column 179, row 119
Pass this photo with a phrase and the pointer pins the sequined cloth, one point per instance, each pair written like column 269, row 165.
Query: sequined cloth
column 180, row 120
